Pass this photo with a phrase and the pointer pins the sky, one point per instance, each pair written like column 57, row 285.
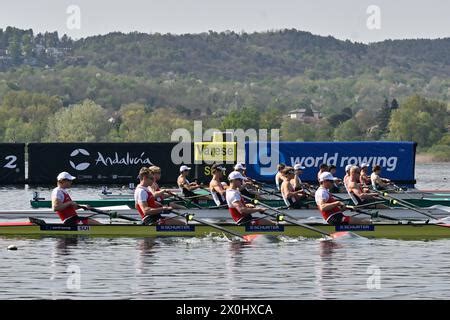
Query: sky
column 357, row 20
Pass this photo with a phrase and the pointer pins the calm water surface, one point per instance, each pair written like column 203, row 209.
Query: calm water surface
column 215, row 268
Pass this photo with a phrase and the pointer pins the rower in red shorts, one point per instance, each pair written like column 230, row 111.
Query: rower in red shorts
column 332, row 209
column 63, row 205
column 239, row 210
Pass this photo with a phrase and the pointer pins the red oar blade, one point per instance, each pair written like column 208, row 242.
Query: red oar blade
column 251, row 237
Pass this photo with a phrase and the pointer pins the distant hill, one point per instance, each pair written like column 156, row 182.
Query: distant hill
column 216, row 72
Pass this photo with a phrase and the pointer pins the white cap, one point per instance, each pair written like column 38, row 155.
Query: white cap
column 239, row 166
column 184, row 168
column 235, row 175
column 326, row 176
column 348, row 167
column 299, row 167
column 65, row 176
column 364, row 165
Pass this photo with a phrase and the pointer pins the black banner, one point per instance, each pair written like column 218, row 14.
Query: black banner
column 12, row 163
column 98, row 163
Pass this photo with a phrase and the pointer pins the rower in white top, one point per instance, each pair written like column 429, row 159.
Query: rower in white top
column 379, row 183
column 279, row 177
column 217, row 187
column 158, row 193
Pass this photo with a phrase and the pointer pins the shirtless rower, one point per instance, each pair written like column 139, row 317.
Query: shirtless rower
column 356, row 192
column 364, row 178
column 63, row 205
column 292, row 198
column 217, row 187
column 379, row 183
column 330, row 208
column 187, row 188
column 239, row 210
column 296, row 180
column 149, row 209
column 347, row 176
column 279, row 178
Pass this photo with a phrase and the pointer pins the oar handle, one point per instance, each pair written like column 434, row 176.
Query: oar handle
column 210, row 224
column 293, row 221
column 185, row 200
column 106, row 213
column 405, row 204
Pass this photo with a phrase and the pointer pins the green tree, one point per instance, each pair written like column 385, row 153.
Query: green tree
column 348, row 131
column 246, row 118
column 420, row 120
column 383, row 117
column 85, row 122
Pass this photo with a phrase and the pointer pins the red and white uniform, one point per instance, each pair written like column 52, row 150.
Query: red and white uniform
column 160, row 198
column 323, row 195
column 233, row 196
column 63, row 197
column 143, row 195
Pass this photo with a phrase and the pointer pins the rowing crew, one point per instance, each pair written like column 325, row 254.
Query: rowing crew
column 148, row 196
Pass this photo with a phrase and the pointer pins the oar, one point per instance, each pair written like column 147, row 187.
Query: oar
column 187, row 201
column 246, row 238
column 109, row 214
column 293, row 221
column 386, row 196
column 357, row 209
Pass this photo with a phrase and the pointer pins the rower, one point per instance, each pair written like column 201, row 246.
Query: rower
column 323, row 168
column 355, row 189
column 158, row 193
column 378, row 183
column 296, row 181
column 364, row 178
column 337, row 182
column 347, row 176
column 239, row 210
column 247, row 182
column 145, row 203
column 216, row 186
column 292, row 198
column 63, row 205
column 330, row 208
column 279, row 178
column 185, row 186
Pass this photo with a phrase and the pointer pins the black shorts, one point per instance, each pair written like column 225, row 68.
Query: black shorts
column 245, row 221
column 75, row 220
column 151, row 219
column 296, row 205
column 338, row 219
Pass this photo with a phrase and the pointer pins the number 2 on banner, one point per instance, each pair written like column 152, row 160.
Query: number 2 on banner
column 11, row 164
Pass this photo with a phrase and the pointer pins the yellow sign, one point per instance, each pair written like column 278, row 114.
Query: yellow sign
column 215, row 151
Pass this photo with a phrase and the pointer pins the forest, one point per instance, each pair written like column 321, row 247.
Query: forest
column 140, row 87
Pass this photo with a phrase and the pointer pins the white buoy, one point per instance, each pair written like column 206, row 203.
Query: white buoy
column 12, row 247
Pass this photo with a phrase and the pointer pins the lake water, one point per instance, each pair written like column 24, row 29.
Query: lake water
column 215, row 268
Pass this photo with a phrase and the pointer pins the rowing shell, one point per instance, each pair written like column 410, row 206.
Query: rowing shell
column 307, row 204
column 223, row 214
column 418, row 231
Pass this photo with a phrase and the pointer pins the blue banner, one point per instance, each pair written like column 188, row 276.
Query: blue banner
column 397, row 159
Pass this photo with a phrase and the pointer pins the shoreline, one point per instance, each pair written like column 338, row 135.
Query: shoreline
column 425, row 158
